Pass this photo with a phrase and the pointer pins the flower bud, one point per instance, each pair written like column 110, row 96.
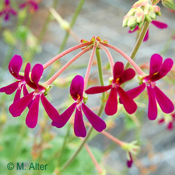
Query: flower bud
column 140, row 15
column 169, row 4
column 132, row 22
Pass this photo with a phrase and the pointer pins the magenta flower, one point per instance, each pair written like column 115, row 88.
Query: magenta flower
column 7, row 10
column 76, row 91
column 14, row 68
column 169, row 121
column 158, row 24
column 33, row 98
column 158, row 69
column 32, row 4
column 130, row 160
column 119, row 77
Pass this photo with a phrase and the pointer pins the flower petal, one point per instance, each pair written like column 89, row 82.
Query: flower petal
column 64, row 117
column 25, row 91
column 23, row 5
column 159, row 24
column 19, row 106
column 128, row 103
column 32, row 116
column 111, row 105
column 13, row 12
column 10, row 88
column 118, row 70
column 6, row 18
column 17, row 95
column 146, row 36
column 51, row 111
column 77, row 87
column 170, row 126
column 98, row 89
column 133, row 93
column 152, row 105
column 166, row 67
column 97, row 123
column 164, row 102
column 155, row 63
column 128, row 74
column 129, row 162
column 79, row 127
column 15, row 66
column 37, row 72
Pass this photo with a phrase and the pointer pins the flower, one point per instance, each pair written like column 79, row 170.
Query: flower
column 168, row 119
column 33, row 5
column 33, row 98
column 76, row 91
column 158, row 24
column 158, row 69
column 14, row 68
column 119, row 77
column 129, row 161
column 7, row 10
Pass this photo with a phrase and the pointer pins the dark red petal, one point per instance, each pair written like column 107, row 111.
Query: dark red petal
column 23, row 5
column 130, row 162
column 97, row 123
column 155, row 63
column 160, row 25
column 6, row 18
column 137, row 28
column 118, row 70
column 15, row 66
column 51, row 111
column 164, row 102
column 34, row 5
column 19, row 106
column 128, row 103
column 17, row 95
column 25, row 91
column 13, row 12
column 37, row 72
column 98, row 89
column 64, row 117
column 152, row 105
column 170, row 126
column 77, row 87
column 128, row 74
column 7, row 2
column 133, row 93
column 27, row 77
column 79, row 127
column 146, row 36
column 10, row 88
column 32, row 116
column 161, row 121
column 166, row 67
column 111, row 105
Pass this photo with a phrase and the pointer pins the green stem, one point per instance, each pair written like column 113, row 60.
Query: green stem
column 99, row 112
column 77, row 11
column 138, row 43
column 64, row 144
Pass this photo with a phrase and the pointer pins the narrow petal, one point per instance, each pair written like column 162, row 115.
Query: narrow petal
column 164, row 102
column 159, row 24
column 6, row 18
column 133, row 93
column 137, row 28
column 129, row 162
column 64, row 117
column 128, row 103
column 34, row 5
column 128, row 74
column 97, row 123
column 7, row 2
column 152, row 105
column 37, row 72
column 17, row 95
column 118, row 70
column 25, row 91
column 32, row 116
column 10, row 88
column 13, row 12
column 170, row 126
column 19, row 106
column 98, row 89
column 79, row 127
column 165, row 68
column 155, row 63
column 77, row 87
column 111, row 105
column 146, row 36
column 15, row 65
column 51, row 111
